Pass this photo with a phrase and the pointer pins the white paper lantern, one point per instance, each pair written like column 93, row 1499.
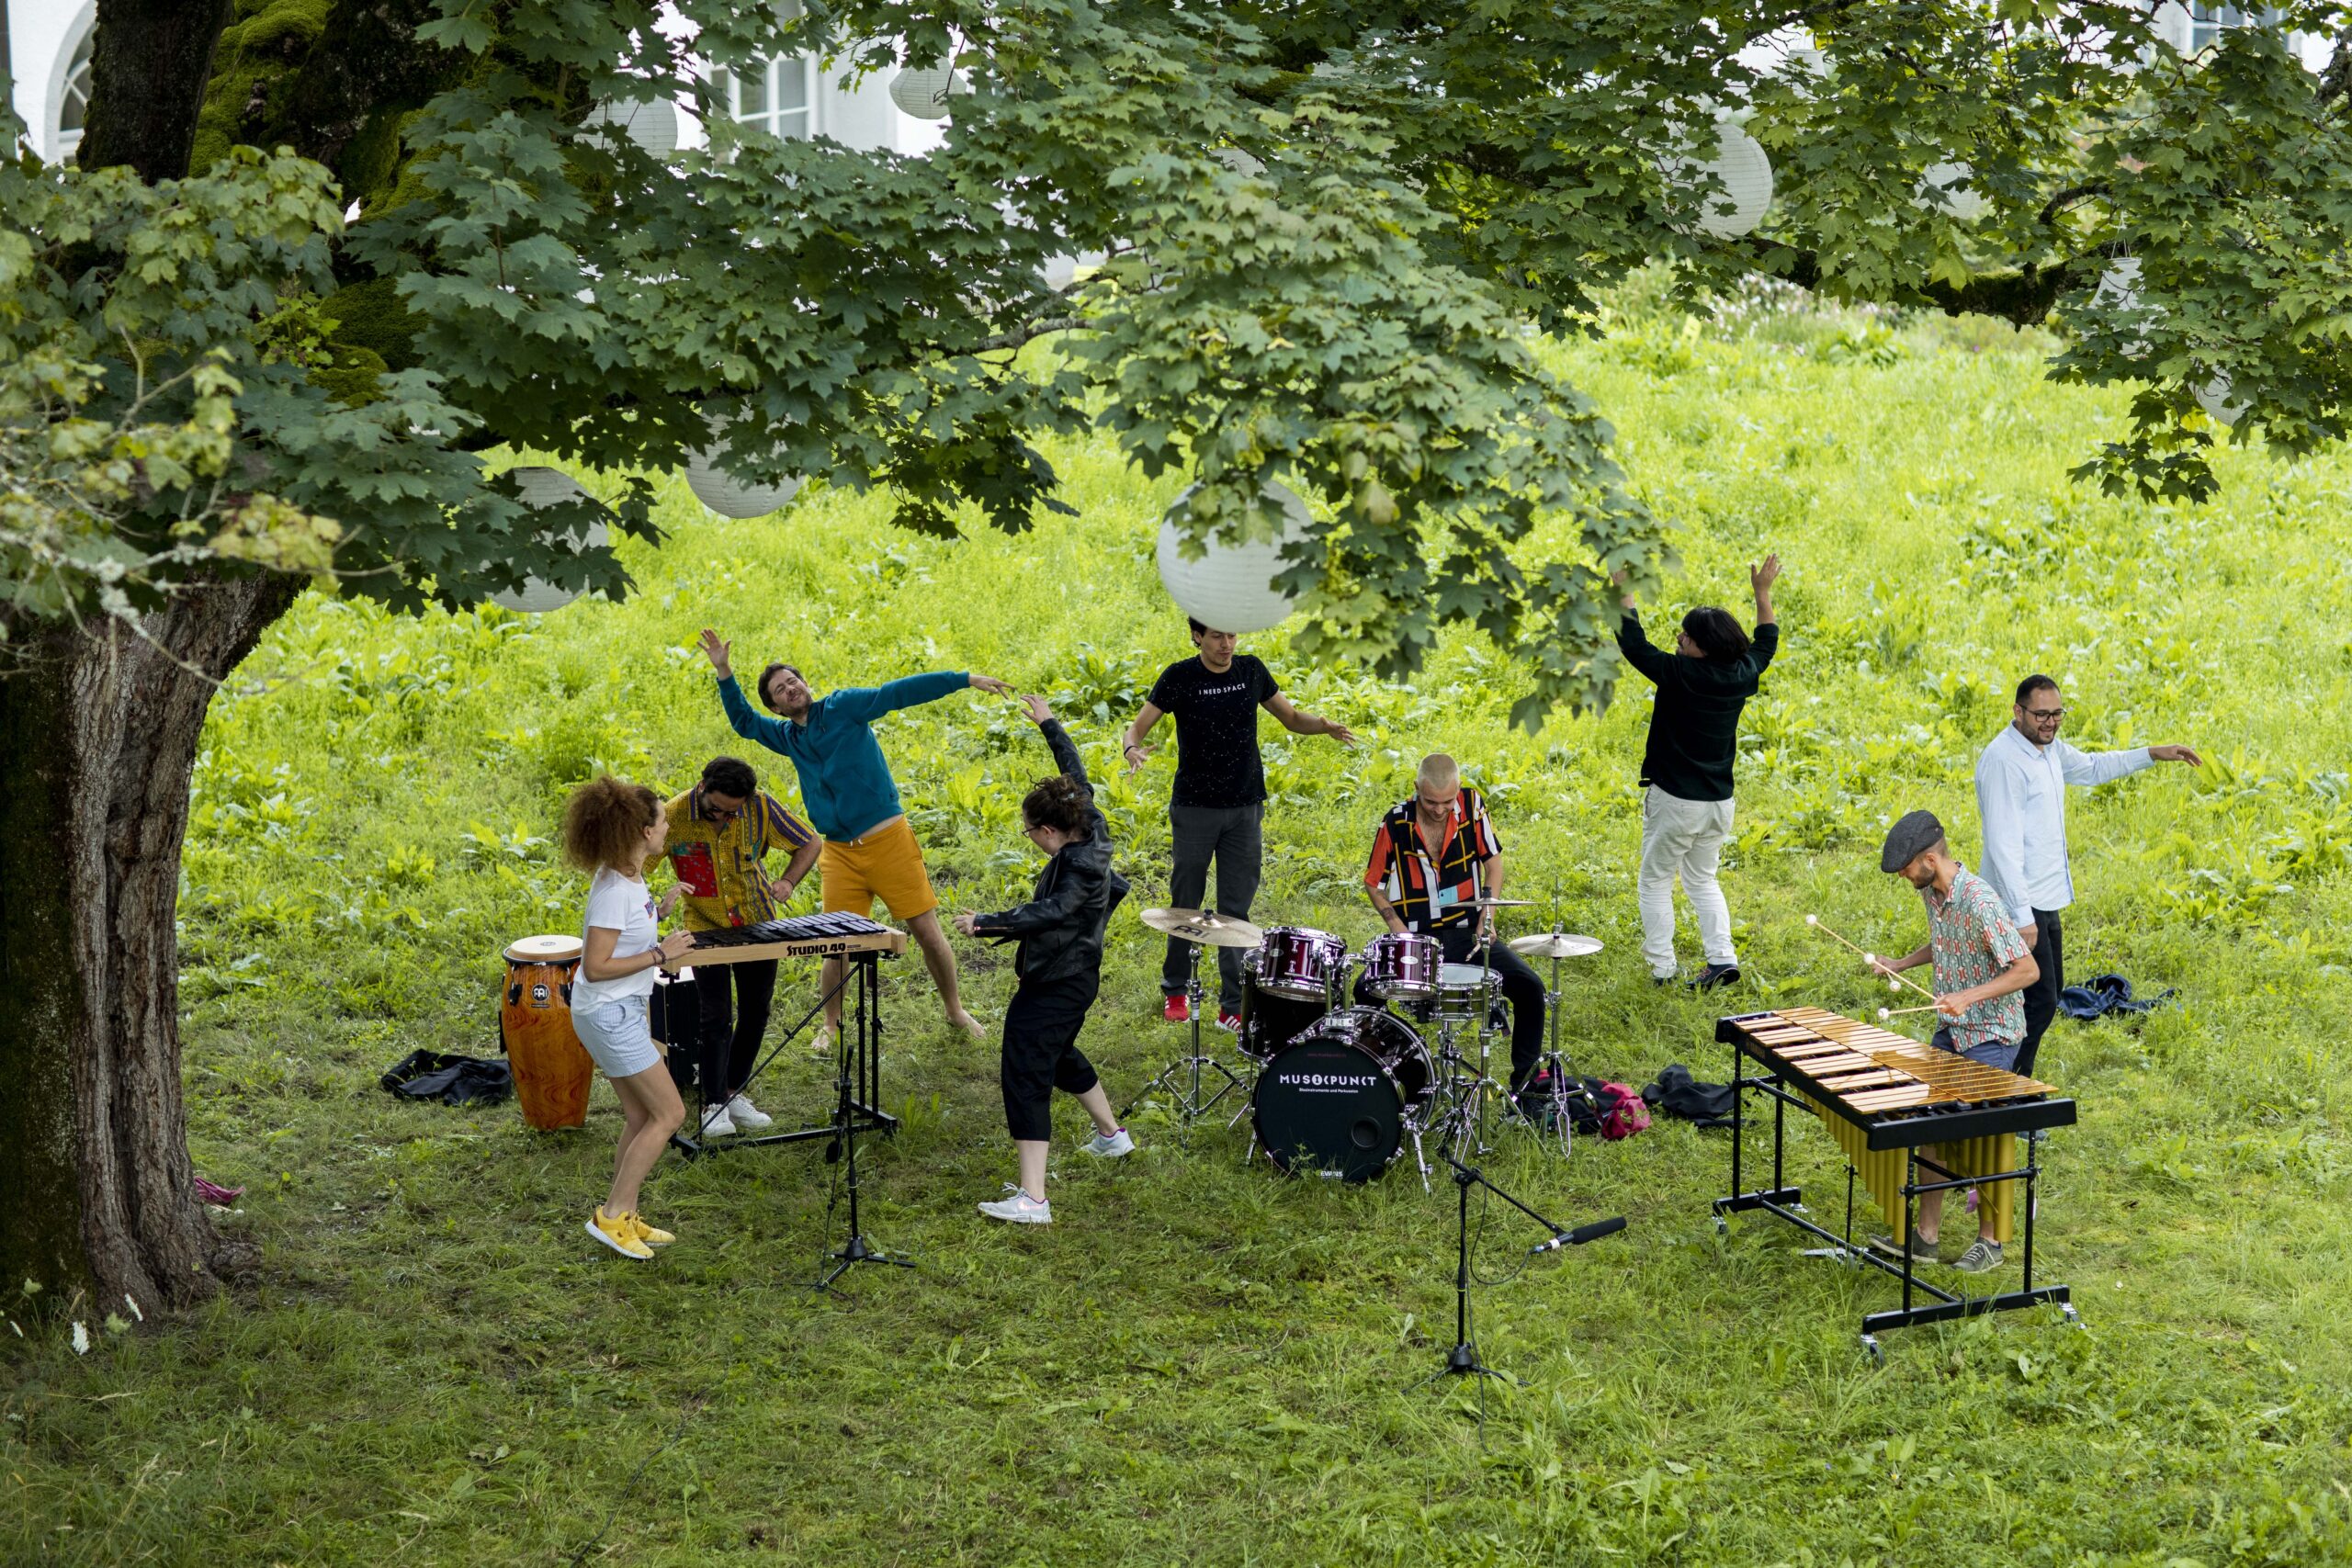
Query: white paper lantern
column 924, row 93
column 2118, row 289
column 727, row 494
column 651, row 124
column 1061, row 271
column 1747, row 174
column 1949, row 188
column 1230, row 588
column 548, row 487
column 2214, row 397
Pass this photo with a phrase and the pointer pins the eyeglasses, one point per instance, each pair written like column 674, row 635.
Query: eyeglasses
column 2045, row 716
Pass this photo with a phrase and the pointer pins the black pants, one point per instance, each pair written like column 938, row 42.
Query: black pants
column 1235, row 838
column 1041, row 1053
column 1521, row 990
column 735, row 1000
column 2041, row 997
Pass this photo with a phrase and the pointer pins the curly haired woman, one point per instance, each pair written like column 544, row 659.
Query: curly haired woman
column 610, row 830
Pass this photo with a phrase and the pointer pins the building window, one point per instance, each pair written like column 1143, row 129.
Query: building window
column 73, row 103
column 2207, row 23
column 779, row 98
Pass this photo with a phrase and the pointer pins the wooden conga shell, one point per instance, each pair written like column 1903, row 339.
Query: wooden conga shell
column 551, row 1069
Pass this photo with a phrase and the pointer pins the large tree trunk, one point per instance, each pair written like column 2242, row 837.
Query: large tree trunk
column 97, row 738
column 150, row 61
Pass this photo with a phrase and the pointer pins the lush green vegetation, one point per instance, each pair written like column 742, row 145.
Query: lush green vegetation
column 1199, row 1362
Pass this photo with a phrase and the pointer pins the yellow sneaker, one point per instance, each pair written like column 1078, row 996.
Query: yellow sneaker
column 617, row 1231
column 652, row 1236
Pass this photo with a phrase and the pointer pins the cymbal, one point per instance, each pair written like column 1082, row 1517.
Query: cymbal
column 1498, row 902
column 1555, row 944
column 1205, row 928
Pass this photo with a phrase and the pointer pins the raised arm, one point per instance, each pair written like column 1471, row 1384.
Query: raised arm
column 1066, row 757
column 1637, row 648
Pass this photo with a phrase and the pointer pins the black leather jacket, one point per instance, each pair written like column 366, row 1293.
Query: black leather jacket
column 1060, row 929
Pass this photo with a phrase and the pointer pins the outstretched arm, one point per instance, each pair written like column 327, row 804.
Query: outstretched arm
column 747, row 722
column 1299, row 723
column 866, row 704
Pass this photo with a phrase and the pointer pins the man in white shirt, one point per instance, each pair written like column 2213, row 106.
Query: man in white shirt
column 2022, row 783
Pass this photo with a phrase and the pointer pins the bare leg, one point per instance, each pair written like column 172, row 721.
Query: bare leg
column 940, row 959
column 651, row 1112
column 1031, row 1153
column 1098, row 1105
column 832, row 1030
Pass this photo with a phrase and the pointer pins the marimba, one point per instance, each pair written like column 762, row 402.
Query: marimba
column 1884, row 1096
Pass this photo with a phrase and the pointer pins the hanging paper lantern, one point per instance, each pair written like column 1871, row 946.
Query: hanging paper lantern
column 542, row 487
column 2118, row 289
column 1745, row 172
column 651, row 124
column 2214, row 397
column 1230, row 588
column 1061, row 271
column 726, row 492
column 1947, row 187
column 924, row 93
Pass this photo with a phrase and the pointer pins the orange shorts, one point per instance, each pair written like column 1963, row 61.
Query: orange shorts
column 887, row 864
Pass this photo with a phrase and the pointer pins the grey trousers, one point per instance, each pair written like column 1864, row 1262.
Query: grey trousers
column 1234, row 837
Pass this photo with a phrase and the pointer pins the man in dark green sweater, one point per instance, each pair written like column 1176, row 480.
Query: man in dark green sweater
column 1687, row 767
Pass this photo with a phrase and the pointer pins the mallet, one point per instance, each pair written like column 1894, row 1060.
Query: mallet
column 1892, row 981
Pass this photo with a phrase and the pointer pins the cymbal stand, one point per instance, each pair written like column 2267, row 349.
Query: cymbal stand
column 1553, row 1067
column 1189, row 1105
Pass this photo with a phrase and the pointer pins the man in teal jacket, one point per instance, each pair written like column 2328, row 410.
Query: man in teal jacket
column 870, row 851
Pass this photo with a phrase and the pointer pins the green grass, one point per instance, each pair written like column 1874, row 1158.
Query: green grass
column 1200, row 1362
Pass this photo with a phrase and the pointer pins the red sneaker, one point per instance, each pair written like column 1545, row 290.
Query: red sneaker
column 1177, row 1009
column 1231, row 1021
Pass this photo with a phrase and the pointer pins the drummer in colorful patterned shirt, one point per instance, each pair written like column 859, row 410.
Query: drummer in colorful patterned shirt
column 1431, row 856
column 721, row 832
column 1981, row 968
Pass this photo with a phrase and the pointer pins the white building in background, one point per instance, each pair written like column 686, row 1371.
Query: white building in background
column 49, row 54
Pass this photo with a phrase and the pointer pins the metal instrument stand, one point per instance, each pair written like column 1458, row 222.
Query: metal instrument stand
column 1554, row 1064
column 1190, row 1106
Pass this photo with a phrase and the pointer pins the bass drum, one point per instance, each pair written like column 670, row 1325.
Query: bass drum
column 1339, row 1099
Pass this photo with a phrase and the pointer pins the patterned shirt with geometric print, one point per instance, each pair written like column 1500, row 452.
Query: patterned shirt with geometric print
column 1971, row 938
column 718, row 862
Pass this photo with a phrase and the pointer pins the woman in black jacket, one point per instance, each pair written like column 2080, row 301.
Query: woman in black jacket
column 1060, row 965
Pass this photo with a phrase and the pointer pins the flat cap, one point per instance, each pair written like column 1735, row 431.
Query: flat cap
column 1913, row 831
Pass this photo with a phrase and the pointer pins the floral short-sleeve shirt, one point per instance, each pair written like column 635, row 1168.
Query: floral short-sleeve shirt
column 1973, row 939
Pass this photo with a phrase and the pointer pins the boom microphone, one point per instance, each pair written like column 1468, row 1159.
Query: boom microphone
column 1579, row 1235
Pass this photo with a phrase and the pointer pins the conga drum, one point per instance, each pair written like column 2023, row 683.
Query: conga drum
column 551, row 1070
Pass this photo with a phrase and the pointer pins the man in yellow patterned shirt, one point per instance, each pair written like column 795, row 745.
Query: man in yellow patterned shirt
column 721, row 832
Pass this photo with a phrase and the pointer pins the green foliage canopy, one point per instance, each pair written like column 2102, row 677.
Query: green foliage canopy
column 1327, row 229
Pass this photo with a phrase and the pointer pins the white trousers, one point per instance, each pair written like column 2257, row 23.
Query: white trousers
column 1685, row 836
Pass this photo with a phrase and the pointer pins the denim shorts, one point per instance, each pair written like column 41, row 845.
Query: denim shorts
column 617, row 1036
column 2001, row 1054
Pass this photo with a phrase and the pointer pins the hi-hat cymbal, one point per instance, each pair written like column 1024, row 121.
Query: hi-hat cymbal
column 1498, row 902
column 1204, row 927
column 1555, row 944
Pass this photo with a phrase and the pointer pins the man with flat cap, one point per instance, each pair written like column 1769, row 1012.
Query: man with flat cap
column 1981, row 967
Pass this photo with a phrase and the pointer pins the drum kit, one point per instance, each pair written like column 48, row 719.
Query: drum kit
column 1342, row 1087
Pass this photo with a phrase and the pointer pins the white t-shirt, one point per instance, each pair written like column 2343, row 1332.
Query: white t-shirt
column 625, row 904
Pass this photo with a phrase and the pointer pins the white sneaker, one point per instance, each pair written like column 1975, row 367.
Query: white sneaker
column 1020, row 1209
column 715, row 1124
column 744, row 1114
column 1111, row 1147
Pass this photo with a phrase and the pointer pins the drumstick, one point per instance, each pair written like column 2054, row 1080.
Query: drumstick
column 1893, row 980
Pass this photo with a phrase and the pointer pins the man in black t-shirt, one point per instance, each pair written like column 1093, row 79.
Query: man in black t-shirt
column 1217, row 810
column 1687, row 768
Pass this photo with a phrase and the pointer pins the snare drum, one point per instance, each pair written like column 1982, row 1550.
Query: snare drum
column 551, row 1069
column 1298, row 961
column 1401, row 967
column 1468, row 991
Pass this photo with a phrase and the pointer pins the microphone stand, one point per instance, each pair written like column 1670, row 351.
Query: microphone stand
column 1463, row 1359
